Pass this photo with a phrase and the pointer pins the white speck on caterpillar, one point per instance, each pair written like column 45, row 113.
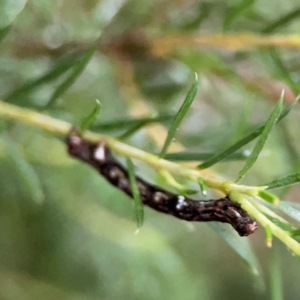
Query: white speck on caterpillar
column 181, row 202
column 158, row 196
column 99, row 153
column 75, row 140
column 236, row 213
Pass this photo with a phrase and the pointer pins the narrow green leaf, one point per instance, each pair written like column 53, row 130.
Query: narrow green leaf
column 77, row 69
column 9, row 10
column 170, row 180
column 284, row 226
column 275, row 275
column 238, row 245
column 282, row 21
column 289, row 210
column 269, row 197
column 268, row 236
column 132, row 130
column 60, row 67
column 189, row 192
column 4, row 32
column 245, row 140
column 139, row 211
column 284, row 181
column 203, row 186
column 295, row 205
column 128, row 123
column 262, row 139
column 194, row 156
column 295, row 232
column 89, row 120
column 283, row 72
column 180, row 115
column 29, row 178
column 237, row 11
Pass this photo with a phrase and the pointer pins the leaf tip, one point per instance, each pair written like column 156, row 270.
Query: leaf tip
column 196, row 77
column 268, row 236
column 269, row 243
column 269, row 197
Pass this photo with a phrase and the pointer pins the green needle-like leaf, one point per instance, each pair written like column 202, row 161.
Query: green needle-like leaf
column 284, row 181
column 237, row 11
column 295, row 232
column 139, row 211
column 77, row 69
column 61, row 66
column 268, row 236
column 240, row 246
column 282, row 71
column 262, row 139
column 283, row 225
column 132, row 130
column 288, row 210
column 194, row 156
column 29, row 178
column 180, row 115
column 88, row 121
column 282, row 21
column 244, row 141
column 4, row 32
column 202, row 185
column 129, row 123
column 269, row 197
column 276, row 288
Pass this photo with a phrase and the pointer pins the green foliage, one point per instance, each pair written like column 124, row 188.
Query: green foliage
column 89, row 120
column 195, row 156
column 284, row 181
column 282, row 21
column 77, row 68
column 179, row 117
column 129, row 123
column 132, row 130
column 262, row 139
column 59, row 68
column 9, row 10
column 290, row 211
column 236, row 12
column 242, row 248
column 139, row 211
column 269, row 197
column 29, row 179
column 245, row 140
column 202, row 185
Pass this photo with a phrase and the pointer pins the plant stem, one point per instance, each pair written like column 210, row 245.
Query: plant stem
column 56, row 126
column 264, row 221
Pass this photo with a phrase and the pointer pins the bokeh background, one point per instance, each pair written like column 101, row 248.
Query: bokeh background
column 65, row 233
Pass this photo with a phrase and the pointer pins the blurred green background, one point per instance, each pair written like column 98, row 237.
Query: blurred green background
column 67, row 234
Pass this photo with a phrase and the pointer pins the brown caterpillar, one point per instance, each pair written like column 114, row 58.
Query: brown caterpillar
column 223, row 210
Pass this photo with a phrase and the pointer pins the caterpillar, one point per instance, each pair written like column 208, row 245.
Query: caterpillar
column 99, row 156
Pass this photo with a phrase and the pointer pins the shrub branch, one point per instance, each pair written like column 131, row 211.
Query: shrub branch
column 237, row 192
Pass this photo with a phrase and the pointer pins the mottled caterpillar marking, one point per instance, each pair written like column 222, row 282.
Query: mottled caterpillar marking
column 222, row 210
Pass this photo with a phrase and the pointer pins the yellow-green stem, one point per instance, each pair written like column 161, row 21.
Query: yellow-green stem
column 264, row 221
column 56, row 126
